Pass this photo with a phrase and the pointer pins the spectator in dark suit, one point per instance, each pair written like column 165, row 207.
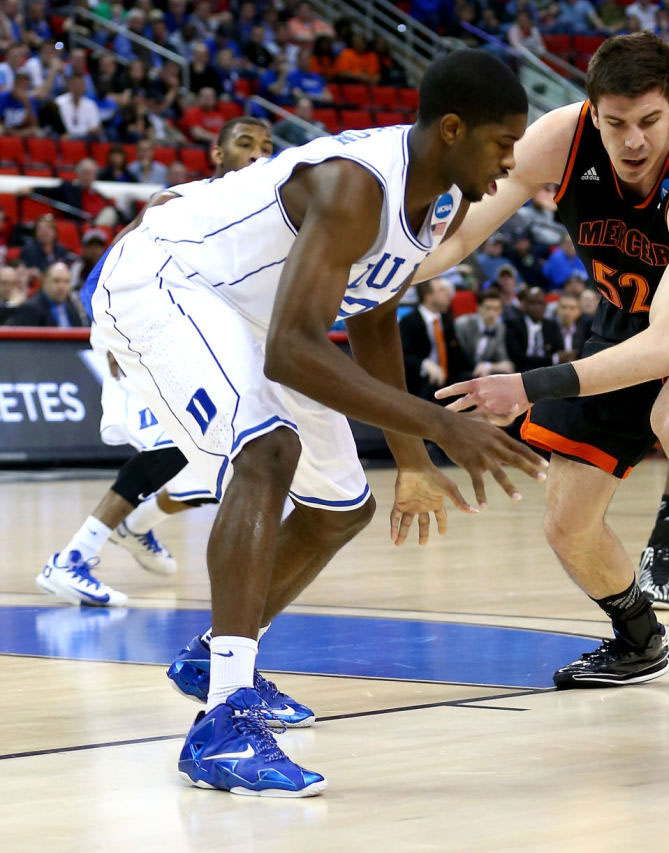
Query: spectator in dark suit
column 531, row 339
column 567, row 316
column 52, row 306
column 432, row 355
column 481, row 336
column 43, row 249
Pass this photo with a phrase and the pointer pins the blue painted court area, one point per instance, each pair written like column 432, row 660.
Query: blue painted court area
column 306, row 643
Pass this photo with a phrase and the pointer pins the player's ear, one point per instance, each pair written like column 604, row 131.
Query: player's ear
column 452, row 127
column 594, row 116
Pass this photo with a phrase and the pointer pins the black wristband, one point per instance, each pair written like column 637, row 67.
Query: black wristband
column 551, row 383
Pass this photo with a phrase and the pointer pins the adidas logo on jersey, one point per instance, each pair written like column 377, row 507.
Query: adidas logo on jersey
column 590, row 175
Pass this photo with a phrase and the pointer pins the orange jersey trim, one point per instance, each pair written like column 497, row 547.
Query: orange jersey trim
column 573, row 151
column 546, row 439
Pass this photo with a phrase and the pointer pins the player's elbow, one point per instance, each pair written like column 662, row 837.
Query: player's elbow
column 278, row 365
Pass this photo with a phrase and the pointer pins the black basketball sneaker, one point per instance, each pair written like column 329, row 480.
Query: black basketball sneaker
column 616, row 663
column 654, row 574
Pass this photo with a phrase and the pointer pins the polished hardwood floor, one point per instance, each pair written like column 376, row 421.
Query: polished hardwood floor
column 482, row 762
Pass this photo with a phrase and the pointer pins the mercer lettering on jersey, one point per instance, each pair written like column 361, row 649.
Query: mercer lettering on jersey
column 629, row 241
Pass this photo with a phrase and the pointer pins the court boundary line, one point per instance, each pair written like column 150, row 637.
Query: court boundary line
column 302, row 673
column 471, row 704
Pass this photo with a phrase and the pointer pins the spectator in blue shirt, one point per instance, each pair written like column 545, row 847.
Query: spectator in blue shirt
column 136, row 25
column 578, row 17
column 562, row 263
column 306, row 83
column 273, row 84
column 491, row 257
column 176, row 15
column 18, row 112
column 37, row 28
column 432, row 13
column 227, row 69
column 14, row 59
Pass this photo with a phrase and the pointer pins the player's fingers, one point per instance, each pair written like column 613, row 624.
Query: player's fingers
column 463, row 403
column 403, row 530
column 498, row 473
column 442, row 521
column 520, row 456
column 458, row 499
column 479, row 487
column 423, row 528
column 395, row 518
column 454, row 390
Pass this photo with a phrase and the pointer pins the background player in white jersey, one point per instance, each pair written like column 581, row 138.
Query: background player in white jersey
column 122, row 516
column 219, row 310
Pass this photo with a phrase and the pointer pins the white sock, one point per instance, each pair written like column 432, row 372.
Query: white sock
column 232, row 662
column 147, row 515
column 89, row 539
column 205, row 638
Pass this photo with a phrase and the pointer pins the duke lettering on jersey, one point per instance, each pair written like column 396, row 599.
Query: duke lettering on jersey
column 235, row 235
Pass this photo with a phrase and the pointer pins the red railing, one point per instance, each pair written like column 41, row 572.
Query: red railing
column 47, row 333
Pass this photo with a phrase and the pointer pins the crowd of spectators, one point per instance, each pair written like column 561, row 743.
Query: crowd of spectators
column 533, row 23
column 125, row 90
column 123, row 95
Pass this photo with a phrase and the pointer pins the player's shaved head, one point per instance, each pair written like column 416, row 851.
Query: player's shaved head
column 472, row 84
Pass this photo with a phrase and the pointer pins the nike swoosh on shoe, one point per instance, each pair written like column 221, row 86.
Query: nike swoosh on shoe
column 249, row 752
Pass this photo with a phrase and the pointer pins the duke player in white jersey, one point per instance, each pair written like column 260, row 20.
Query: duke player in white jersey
column 218, row 309
column 122, row 516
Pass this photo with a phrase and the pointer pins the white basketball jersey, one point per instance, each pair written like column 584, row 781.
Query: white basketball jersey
column 233, row 234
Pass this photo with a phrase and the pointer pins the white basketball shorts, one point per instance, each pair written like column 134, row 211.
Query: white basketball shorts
column 198, row 366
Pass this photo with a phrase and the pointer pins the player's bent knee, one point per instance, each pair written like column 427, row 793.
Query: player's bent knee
column 275, row 453
column 659, row 423
column 147, row 472
column 568, row 535
column 342, row 526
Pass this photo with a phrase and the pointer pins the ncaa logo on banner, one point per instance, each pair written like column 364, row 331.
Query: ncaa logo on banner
column 444, row 206
column 664, row 188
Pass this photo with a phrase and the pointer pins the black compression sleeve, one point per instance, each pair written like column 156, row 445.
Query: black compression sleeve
column 551, row 383
column 147, row 472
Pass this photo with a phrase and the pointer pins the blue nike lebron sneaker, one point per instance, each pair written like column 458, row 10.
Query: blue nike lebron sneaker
column 189, row 672
column 233, row 749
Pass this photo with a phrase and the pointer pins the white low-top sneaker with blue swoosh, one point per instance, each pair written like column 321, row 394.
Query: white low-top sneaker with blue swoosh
column 233, row 749
column 149, row 552
column 70, row 579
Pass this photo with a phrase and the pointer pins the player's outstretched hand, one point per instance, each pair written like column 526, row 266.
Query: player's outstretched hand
column 477, row 446
column 420, row 493
column 501, row 398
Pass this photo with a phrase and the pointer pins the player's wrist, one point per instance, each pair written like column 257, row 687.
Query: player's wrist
column 551, row 383
column 408, row 452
